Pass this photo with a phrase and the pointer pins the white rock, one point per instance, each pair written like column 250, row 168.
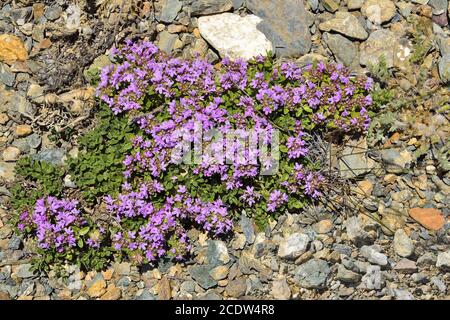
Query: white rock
column 373, row 256
column 443, row 260
column 234, row 36
column 293, row 246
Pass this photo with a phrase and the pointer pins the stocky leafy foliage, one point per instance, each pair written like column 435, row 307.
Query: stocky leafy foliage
column 97, row 171
column 132, row 155
column 37, row 178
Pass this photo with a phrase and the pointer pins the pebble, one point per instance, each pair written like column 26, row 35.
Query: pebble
column 23, row 130
column 406, row 266
column 312, row 274
column 217, row 253
column 170, row 11
column 247, row 229
column 219, row 272
column 97, row 287
column 236, row 288
column 112, row 293
column 403, row 244
column 379, row 11
column 206, row 7
column 347, row 276
column 373, row 256
column 293, row 246
column 323, row 226
column 373, row 279
column 355, row 232
column 12, row 49
column 24, row 271
column 443, row 260
column 201, row 275
column 11, row 154
column 280, row 289
column 346, row 24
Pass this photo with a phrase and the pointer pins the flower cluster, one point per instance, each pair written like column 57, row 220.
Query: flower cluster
column 163, row 231
column 56, row 224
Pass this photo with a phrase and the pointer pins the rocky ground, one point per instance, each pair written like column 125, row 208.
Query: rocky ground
column 389, row 239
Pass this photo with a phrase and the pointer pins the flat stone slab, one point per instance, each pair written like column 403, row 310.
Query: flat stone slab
column 285, row 24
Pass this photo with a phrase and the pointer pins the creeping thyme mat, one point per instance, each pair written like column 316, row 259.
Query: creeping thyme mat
column 136, row 194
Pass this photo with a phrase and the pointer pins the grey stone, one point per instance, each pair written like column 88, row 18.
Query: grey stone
column 403, row 245
column 22, row 145
column 12, row 290
column 206, row 7
column 439, row 6
column 217, row 253
column 23, row 271
column 210, row 295
column 347, row 276
column 188, row 286
column 399, row 160
column 124, row 282
column 200, row 273
column 247, row 229
column 34, row 140
column 167, row 41
column 170, row 10
column 442, row 287
column 6, row 76
column 353, row 162
column 444, row 68
column 236, row 288
column 373, row 256
column 443, row 260
column 346, row 24
column 312, row 274
column 293, row 246
column 53, row 12
column 14, row 243
column 356, row 233
column 344, row 50
column 427, row 259
column 54, row 156
column 373, row 279
column 343, row 249
column 380, row 43
column 401, row 294
column 285, row 23
column 313, row 4
column 146, row 295
column 20, row 15
column 419, row 278
column 237, row 3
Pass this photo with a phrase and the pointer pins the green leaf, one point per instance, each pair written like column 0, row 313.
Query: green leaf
column 83, row 231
